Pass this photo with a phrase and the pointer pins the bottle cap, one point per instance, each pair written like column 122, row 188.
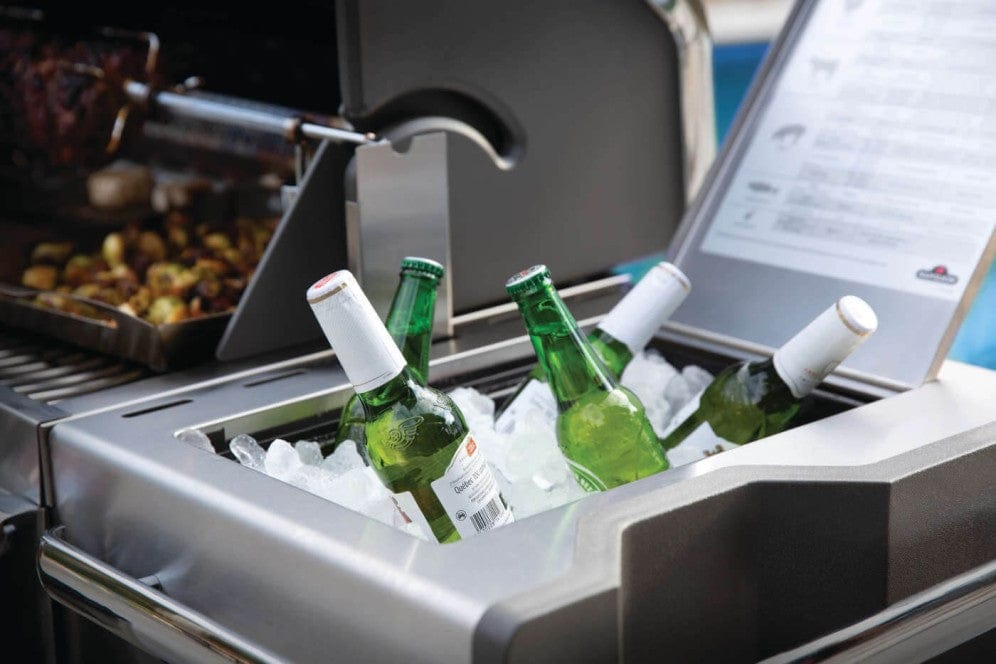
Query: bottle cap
column 857, row 315
column 422, row 265
column 812, row 354
column 528, row 281
column 365, row 350
column 642, row 311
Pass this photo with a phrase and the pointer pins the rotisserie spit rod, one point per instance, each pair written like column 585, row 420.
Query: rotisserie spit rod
column 292, row 127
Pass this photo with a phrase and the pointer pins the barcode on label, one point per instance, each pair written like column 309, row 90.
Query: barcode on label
column 486, row 516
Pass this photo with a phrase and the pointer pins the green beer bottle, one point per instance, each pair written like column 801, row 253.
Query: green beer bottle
column 409, row 321
column 417, row 440
column 751, row 400
column 602, row 428
column 624, row 331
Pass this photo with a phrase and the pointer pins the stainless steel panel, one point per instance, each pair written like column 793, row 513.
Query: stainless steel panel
column 136, row 498
column 402, row 209
column 136, row 611
column 744, row 299
column 19, row 418
column 565, row 121
column 914, row 630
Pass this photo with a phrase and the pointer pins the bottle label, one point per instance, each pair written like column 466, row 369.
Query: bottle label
column 410, row 513
column 588, row 480
column 701, row 443
column 469, row 492
column 535, row 395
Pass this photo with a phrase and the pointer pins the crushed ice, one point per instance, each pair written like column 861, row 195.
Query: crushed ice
column 525, row 458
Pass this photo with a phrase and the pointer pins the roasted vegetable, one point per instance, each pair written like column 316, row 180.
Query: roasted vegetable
column 113, row 249
column 185, row 270
column 80, row 269
column 167, row 309
column 51, row 253
column 42, row 277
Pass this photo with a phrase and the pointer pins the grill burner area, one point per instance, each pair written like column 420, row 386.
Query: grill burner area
column 49, row 371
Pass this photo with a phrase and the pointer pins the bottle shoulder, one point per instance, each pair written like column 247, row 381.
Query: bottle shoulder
column 743, row 383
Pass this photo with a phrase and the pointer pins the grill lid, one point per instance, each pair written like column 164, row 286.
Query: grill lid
column 854, row 168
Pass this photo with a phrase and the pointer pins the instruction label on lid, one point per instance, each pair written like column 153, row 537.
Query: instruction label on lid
column 873, row 160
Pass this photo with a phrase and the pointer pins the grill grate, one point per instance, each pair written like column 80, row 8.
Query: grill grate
column 50, row 371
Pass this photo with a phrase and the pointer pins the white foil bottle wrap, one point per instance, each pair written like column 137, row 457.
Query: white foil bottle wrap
column 363, row 345
column 642, row 311
column 809, row 357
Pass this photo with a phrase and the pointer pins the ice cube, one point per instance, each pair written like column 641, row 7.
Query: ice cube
column 344, row 459
column 696, row 377
column 195, row 437
column 532, row 441
column 648, row 375
column 532, row 473
column 282, row 461
column 678, row 392
column 478, row 409
column 248, row 452
column 309, row 451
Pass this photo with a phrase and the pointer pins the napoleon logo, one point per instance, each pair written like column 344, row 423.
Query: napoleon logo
column 938, row 274
column 402, row 435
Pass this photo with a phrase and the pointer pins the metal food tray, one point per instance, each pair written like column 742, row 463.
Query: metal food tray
column 159, row 347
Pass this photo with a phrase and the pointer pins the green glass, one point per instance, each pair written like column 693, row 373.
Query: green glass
column 602, row 428
column 613, row 353
column 409, row 322
column 412, row 432
column 745, row 402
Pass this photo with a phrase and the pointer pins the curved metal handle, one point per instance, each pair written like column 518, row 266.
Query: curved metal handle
column 913, row 630
column 687, row 22
column 135, row 611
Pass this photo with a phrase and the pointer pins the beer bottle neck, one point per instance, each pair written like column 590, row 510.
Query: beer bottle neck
column 571, row 365
column 409, row 320
column 383, row 397
column 613, row 352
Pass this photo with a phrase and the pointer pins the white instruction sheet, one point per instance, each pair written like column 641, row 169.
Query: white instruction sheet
column 875, row 158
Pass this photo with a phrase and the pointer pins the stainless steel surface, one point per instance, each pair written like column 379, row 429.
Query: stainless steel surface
column 606, row 284
column 402, row 209
column 19, row 418
column 48, row 372
column 135, row 611
column 763, row 304
column 572, row 156
column 687, row 21
column 914, row 630
column 309, row 242
column 371, row 593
